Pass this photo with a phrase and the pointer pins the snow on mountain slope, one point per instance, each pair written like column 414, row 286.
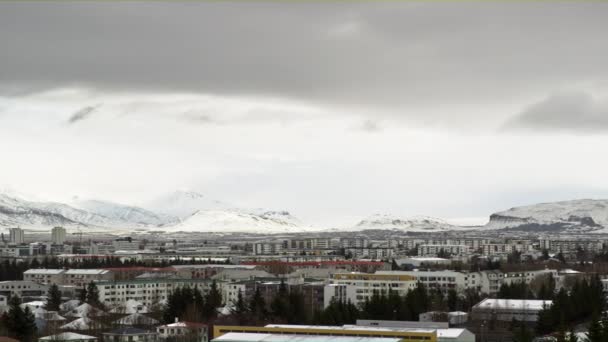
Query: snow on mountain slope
column 583, row 214
column 183, row 204
column 15, row 212
column 124, row 213
column 412, row 224
column 32, row 214
column 234, row 220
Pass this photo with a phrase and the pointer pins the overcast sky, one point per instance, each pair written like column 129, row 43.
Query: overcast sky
column 331, row 111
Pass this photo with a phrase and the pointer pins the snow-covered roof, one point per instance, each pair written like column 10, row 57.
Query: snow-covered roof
column 50, row 316
column 45, row 271
column 513, row 304
column 85, row 310
column 350, row 327
column 450, row 333
column 87, row 272
column 136, row 319
column 83, row 323
column 68, row 336
column 70, row 305
column 130, row 306
column 249, row 267
column 426, row 259
column 260, row 337
column 190, row 325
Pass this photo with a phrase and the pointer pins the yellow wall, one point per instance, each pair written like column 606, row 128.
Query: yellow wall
column 219, row 330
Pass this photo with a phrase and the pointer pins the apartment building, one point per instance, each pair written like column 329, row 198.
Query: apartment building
column 435, row 250
column 26, row 290
column 74, row 277
column 147, row 291
column 566, row 245
column 356, row 287
column 44, row 276
column 80, row 277
column 270, row 247
column 442, row 280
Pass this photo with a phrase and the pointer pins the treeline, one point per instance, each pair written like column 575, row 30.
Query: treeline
column 18, row 322
column 585, row 300
column 13, row 269
column 189, row 304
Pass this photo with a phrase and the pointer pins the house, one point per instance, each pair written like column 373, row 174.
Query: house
column 130, row 334
column 196, row 331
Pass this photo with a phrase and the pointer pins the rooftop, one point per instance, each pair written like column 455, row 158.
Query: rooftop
column 513, row 304
column 48, row 271
column 257, row 337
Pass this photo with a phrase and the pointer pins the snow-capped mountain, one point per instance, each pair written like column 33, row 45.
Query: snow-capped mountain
column 412, row 224
column 16, row 212
column 235, row 220
column 183, row 204
column 578, row 215
column 124, row 213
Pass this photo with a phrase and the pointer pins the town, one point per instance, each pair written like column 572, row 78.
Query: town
column 476, row 286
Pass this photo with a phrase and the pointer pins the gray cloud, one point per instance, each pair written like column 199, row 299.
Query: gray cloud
column 82, row 114
column 386, row 55
column 565, row 111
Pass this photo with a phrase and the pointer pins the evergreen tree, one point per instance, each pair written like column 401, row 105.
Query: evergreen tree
column 83, row 295
column 279, row 306
column 257, row 306
column 92, row 295
column 19, row 322
column 595, row 333
column 239, row 309
column 297, row 311
column 172, row 308
column 213, row 300
column 452, row 300
column 53, row 300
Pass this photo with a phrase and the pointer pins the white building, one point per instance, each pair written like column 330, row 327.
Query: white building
column 58, row 235
column 435, row 250
column 16, row 235
column 73, row 277
column 81, row 277
column 125, row 244
column 149, row 292
column 23, row 289
column 356, row 287
column 44, row 275
column 507, row 310
column 443, row 280
column 197, row 332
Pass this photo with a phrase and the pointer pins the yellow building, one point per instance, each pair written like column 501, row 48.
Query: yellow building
column 404, row 334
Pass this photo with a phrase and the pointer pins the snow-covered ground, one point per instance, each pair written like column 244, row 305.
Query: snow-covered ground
column 235, row 220
column 584, row 213
column 410, row 224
